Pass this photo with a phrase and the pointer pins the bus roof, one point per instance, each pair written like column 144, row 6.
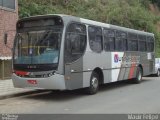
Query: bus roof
column 90, row 22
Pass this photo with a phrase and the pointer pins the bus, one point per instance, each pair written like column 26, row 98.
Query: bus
column 63, row 52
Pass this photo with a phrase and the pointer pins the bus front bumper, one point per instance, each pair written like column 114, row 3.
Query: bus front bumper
column 55, row 82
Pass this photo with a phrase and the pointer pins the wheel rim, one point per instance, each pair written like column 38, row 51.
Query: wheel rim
column 94, row 83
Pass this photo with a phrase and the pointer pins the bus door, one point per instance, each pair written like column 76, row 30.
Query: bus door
column 74, row 75
column 75, row 45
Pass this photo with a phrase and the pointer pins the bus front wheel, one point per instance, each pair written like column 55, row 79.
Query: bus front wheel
column 94, row 84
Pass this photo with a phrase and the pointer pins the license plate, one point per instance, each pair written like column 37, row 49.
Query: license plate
column 33, row 82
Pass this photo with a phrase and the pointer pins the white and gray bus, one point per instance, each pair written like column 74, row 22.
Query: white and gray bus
column 64, row 52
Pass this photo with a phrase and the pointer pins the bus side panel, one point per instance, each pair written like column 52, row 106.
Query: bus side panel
column 147, row 62
column 94, row 60
column 74, row 74
column 86, row 78
column 122, row 74
column 117, row 64
column 126, row 74
column 132, row 62
column 151, row 58
column 127, row 63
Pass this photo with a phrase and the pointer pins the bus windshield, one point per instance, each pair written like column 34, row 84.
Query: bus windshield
column 37, row 47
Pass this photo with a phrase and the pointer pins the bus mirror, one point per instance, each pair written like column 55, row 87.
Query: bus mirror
column 5, row 38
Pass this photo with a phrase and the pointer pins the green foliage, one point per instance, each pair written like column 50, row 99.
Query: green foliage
column 128, row 13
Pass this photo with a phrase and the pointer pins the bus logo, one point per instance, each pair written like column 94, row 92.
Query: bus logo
column 116, row 58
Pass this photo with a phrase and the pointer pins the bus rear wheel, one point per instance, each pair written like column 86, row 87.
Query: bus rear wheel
column 139, row 74
column 94, row 84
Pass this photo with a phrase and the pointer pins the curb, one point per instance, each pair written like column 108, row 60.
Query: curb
column 18, row 94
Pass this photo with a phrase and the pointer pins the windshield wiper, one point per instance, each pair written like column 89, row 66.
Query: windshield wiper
column 42, row 40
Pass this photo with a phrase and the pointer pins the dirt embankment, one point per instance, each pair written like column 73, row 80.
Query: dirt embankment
column 155, row 10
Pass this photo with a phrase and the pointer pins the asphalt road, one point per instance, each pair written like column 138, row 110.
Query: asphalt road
column 121, row 97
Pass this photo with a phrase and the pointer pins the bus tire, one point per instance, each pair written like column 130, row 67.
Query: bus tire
column 139, row 74
column 94, row 84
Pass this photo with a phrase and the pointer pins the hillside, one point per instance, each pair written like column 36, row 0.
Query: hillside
column 136, row 14
column 156, row 11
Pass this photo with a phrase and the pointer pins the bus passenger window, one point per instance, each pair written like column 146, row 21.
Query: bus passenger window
column 142, row 43
column 121, row 41
column 75, row 42
column 132, row 42
column 95, row 38
column 124, row 39
column 109, row 40
column 150, row 44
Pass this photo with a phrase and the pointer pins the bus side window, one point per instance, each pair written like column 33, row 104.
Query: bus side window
column 75, row 42
column 125, row 42
column 121, row 41
column 95, row 38
column 109, row 40
column 132, row 42
column 150, row 44
column 142, row 43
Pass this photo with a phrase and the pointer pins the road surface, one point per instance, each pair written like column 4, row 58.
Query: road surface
column 121, row 97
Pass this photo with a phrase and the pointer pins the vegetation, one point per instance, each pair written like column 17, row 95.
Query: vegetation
column 128, row 13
